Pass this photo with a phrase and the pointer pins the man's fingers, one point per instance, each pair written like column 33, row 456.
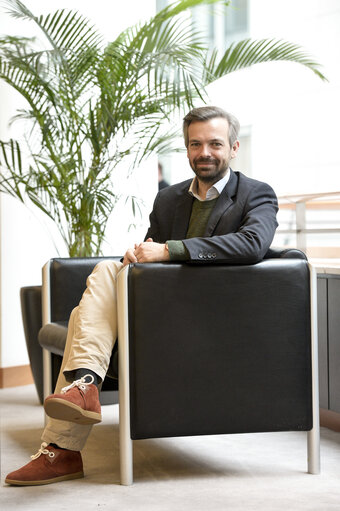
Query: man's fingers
column 132, row 257
column 129, row 257
column 141, row 250
column 148, row 252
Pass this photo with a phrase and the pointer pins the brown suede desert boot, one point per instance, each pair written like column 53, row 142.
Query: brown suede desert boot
column 79, row 403
column 48, row 466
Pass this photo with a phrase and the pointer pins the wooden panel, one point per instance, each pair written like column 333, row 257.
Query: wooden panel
column 323, row 341
column 15, row 376
column 323, row 252
column 334, row 342
column 330, row 420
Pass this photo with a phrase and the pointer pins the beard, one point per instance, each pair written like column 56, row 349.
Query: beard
column 213, row 172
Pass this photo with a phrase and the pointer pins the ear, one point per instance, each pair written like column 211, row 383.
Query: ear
column 234, row 149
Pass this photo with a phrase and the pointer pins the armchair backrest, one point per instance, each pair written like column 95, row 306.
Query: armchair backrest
column 67, row 282
column 219, row 348
column 67, row 279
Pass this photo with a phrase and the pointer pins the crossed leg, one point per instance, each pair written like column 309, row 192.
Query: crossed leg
column 92, row 333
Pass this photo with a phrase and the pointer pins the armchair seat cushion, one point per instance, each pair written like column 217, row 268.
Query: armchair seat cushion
column 52, row 337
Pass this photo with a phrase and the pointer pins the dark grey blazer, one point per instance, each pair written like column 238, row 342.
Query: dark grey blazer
column 240, row 229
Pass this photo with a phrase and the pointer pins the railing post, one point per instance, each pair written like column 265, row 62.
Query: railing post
column 301, row 238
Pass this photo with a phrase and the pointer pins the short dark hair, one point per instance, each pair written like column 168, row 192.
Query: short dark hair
column 205, row 113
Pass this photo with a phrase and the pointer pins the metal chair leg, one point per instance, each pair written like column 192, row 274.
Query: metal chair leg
column 313, row 436
column 46, row 318
column 125, row 442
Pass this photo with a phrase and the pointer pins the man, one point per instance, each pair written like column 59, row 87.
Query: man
column 219, row 216
column 161, row 181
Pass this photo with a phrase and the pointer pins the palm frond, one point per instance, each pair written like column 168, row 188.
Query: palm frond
column 249, row 52
column 63, row 29
column 139, row 36
column 11, row 160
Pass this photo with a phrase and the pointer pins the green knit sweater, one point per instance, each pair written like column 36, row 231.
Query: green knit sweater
column 200, row 213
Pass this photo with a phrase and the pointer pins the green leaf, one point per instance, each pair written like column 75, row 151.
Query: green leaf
column 248, row 52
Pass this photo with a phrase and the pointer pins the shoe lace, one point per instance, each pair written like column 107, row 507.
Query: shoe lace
column 43, row 450
column 81, row 383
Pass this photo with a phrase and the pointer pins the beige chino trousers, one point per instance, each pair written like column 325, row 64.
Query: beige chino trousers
column 92, row 333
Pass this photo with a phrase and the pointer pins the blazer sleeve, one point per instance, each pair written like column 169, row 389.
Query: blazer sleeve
column 250, row 239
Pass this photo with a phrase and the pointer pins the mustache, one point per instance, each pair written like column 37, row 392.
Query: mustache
column 206, row 160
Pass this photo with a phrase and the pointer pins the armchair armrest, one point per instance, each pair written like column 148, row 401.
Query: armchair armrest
column 284, row 253
column 64, row 281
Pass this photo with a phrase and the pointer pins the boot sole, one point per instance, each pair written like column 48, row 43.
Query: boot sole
column 66, row 411
column 76, row 475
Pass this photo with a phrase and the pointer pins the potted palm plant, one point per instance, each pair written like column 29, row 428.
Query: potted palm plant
column 92, row 104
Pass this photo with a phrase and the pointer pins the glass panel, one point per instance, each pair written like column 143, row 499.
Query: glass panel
column 242, row 161
column 161, row 4
column 236, row 19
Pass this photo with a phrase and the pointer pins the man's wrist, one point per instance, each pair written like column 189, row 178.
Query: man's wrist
column 166, row 250
column 177, row 251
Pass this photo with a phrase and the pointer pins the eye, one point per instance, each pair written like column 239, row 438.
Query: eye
column 194, row 144
column 217, row 144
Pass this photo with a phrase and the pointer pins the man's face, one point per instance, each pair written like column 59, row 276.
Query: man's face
column 208, row 150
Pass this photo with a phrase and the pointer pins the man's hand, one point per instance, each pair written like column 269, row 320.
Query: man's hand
column 129, row 257
column 151, row 252
column 146, row 252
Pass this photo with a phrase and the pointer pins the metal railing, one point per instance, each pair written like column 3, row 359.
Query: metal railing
column 315, row 216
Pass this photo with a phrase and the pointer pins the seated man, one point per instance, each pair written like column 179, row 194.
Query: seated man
column 220, row 216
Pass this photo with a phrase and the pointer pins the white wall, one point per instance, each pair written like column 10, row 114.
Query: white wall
column 27, row 240
column 293, row 114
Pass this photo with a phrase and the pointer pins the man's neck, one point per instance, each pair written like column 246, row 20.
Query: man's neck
column 202, row 188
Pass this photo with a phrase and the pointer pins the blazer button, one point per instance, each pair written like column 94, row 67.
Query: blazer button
column 200, row 256
column 213, row 255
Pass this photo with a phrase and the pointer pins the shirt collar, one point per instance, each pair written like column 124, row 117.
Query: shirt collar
column 214, row 191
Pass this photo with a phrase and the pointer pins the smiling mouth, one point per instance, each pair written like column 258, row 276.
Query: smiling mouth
column 205, row 167
column 205, row 164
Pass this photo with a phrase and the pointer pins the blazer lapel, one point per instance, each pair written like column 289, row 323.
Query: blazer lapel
column 182, row 217
column 223, row 203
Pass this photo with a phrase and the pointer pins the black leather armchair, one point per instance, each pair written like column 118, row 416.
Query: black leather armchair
column 217, row 349
column 203, row 349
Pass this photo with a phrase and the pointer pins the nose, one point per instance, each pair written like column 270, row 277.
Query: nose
column 205, row 150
